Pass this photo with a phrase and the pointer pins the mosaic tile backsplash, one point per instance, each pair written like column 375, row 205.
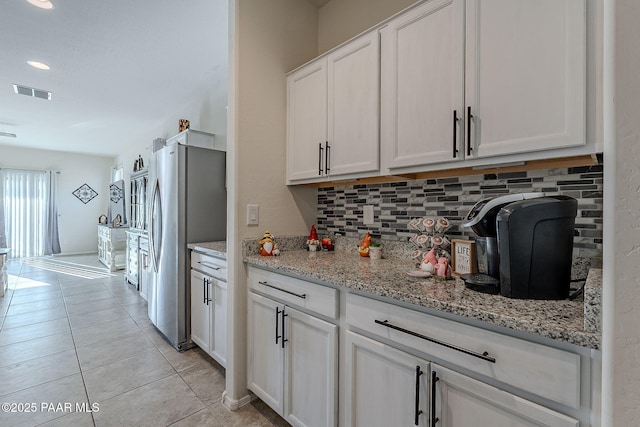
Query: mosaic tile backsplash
column 395, row 204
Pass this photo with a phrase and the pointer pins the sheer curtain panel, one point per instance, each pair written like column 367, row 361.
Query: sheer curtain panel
column 30, row 212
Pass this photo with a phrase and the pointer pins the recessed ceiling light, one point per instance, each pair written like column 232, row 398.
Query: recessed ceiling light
column 42, row 4
column 39, row 65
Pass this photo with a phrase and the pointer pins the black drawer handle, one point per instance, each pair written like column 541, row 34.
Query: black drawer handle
column 211, row 266
column 418, row 411
column 483, row 356
column 434, row 380
column 303, row 296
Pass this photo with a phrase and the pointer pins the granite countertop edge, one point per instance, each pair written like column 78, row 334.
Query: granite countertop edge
column 217, row 249
column 545, row 318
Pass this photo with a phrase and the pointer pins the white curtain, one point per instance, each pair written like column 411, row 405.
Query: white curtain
column 30, row 212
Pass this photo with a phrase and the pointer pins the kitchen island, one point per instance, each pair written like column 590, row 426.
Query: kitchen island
column 387, row 278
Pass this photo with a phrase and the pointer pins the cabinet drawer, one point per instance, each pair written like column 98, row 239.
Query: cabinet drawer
column 545, row 371
column 214, row 267
column 314, row 297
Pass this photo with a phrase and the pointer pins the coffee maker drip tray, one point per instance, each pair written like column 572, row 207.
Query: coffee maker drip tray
column 481, row 282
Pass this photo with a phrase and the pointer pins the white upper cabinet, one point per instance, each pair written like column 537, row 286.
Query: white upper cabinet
column 525, row 75
column 333, row 113
column 422, row 85
column 353, row 109
column 307, row 121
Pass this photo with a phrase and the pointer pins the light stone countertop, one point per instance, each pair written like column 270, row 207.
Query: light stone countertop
column 559, row 320
column 217, row 249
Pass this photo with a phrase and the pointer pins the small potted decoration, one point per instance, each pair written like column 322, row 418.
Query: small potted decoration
column 327, row 243
column 375, row 250
column 313, row 244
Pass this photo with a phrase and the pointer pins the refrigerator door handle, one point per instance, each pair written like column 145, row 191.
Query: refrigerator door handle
column 155, row 198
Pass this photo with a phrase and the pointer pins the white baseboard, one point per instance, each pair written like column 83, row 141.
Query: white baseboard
column 235, row 404
column 75, row 253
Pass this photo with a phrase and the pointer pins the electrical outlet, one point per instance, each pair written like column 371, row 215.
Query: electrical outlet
column 367, row 214
column 253, row 214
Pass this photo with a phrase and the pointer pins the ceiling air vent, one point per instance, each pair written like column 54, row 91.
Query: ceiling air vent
column 30, row 91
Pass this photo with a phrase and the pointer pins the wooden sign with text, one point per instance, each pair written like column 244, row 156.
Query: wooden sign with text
column 463, row 253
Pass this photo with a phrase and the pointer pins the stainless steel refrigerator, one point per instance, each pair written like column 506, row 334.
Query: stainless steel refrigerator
column 188, row 204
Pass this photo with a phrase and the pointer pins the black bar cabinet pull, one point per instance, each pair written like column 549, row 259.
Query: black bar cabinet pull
column 434, row 380
column 327, row 158
column 418, row 410
column 469, row 117
column 277, row 314
column 483, row 356
column 320, row 149
column 303, row 296
column 455, row 142
column 204, row 290
column 284, row 340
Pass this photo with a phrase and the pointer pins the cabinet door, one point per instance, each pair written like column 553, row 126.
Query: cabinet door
column 307, row 121
column 422, row 85
column 310, row 370
column 353, row 107
column 525, row 75
column 384, row 386
column 265, row 354
column 143, row 276
column 200, row 310
column 219, row 327
column 461, row 401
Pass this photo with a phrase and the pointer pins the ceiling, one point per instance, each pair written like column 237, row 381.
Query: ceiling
column 117, row 68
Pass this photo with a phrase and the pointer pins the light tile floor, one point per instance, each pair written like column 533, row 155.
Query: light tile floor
column 77, row 349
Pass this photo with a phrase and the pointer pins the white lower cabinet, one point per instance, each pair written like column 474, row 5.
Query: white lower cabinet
column 209, row 311
column 460, row 401
column 384, row 386
column 292, row 362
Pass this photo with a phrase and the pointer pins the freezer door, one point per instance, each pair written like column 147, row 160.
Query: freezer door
column 167, row 296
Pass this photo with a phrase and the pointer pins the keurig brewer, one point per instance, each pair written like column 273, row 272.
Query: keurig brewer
column 526, row 242
column 482, row 220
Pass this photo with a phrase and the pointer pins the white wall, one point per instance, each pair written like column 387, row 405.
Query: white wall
column 268, row 39
column 340, row 20
column 77, row 221
column 621, row 287
column 207, row 112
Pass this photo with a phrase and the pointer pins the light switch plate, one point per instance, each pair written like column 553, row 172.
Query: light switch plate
column 253, row 214
column 367, row 214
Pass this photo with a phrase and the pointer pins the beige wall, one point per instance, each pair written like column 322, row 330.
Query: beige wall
column 267, row 39
column 77, row 221
column 621, row 311
column 339, row 20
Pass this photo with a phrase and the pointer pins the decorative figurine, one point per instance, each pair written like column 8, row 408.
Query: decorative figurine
column 268, row 245
column 363, row 249
column 312, row 240
column 327, row 243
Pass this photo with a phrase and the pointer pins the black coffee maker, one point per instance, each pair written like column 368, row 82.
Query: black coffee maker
column 524, row 245
column 482, row 220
